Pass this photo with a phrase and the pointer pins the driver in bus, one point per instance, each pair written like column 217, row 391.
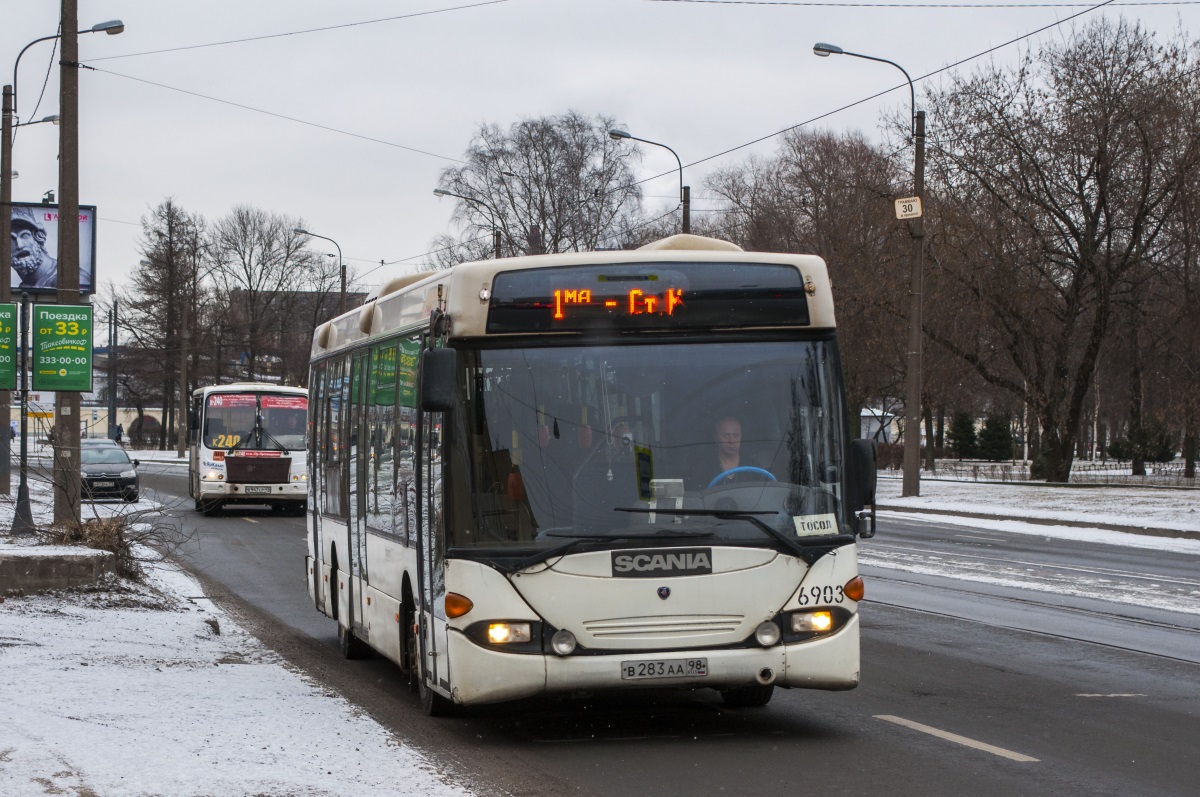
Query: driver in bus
column 727, row 455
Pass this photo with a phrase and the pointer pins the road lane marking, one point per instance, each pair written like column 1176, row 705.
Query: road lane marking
column 974, row 537
column 250, row 520
column 1097, row 694
column 954, row 737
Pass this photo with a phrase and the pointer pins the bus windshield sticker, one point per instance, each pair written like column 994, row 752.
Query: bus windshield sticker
column 232, row 400
column 285, row 402
column 815, row 525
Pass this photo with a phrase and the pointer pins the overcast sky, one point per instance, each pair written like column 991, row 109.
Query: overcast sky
column 377, row 110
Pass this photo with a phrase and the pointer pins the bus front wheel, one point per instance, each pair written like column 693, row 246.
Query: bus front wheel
column 432, row 703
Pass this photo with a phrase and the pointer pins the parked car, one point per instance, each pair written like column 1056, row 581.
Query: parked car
column 108, row 472
column 97, row 442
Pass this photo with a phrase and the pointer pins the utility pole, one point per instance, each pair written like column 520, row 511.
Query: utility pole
column 112, row 371
column 67, row 488
column 912, row 402
column 6, row 165
column 181, row 413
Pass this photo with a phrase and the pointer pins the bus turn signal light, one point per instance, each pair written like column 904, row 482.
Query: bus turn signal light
column 854, row 588
column 457, row 605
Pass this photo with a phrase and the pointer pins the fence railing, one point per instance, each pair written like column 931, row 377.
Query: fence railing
column 1158, row 474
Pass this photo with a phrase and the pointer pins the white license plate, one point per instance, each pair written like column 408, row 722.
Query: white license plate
column 259, row 490
column 663, row 668
column 104, row 484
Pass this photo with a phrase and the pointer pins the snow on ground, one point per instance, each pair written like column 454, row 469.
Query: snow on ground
column 151, row 691
column 1137, row 507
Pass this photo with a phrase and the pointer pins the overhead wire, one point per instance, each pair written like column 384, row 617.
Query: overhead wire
column 303, row 32
column 720, row 154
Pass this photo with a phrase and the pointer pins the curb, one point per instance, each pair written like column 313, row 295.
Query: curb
column 29, row 572
column 1182, row 534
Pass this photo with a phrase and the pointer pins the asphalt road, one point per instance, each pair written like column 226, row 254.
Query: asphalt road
column 968, row 687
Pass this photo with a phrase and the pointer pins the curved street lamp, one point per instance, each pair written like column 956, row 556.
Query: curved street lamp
column 485, row 206
column 111, row 27
column 341, row 266
column 912, row 400
column 685, row 191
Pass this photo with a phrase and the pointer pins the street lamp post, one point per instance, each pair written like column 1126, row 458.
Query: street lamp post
column 341, row 266
column 485, row 206
column 111, row 27
column 685, row 191
column 912, row 400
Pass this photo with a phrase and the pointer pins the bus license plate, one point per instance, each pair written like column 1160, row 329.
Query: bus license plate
column 258, row 490
column 663, row 668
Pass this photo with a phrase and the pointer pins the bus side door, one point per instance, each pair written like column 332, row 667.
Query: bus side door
column 360, row 455
column 432, row 557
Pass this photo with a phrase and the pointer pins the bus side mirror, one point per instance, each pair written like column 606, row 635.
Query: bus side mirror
column 864, row 478
column 193, row 420
column 439, row 372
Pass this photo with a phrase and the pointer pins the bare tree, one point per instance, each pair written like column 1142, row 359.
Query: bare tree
column 256, row 259
column 562, row 175
column 1061, row 174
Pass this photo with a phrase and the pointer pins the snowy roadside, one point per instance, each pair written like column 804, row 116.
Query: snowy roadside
column 152, row 691
column 1134, row 507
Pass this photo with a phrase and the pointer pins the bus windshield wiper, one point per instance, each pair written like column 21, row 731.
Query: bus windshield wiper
column 808, row 554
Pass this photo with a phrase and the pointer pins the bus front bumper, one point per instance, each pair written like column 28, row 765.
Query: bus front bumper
column 248, row 493
column 482, row 675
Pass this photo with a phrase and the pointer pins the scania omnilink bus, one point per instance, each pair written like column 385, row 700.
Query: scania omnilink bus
column 592, row 471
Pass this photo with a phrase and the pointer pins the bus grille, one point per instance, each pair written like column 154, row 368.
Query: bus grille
column 663, row 627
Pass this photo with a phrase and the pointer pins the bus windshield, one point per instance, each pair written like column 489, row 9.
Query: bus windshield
column 654, row 439
column 255, row 421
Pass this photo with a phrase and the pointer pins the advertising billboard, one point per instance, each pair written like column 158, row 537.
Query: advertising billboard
column 35, row 248
column 62, row 347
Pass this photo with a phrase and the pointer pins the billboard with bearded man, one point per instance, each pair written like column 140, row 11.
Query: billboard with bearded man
column 35, row 248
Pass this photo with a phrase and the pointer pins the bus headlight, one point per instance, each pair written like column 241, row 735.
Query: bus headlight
column 767, row 634
column 509, row 633
column 812, row 622
column 212, row 476
column 563, row 642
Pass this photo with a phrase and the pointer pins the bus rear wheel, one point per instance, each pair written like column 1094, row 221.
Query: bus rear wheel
column 748, row 696
column 351, row 646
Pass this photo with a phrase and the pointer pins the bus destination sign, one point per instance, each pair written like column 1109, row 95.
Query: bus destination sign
column 649, row 296
column 62, row 347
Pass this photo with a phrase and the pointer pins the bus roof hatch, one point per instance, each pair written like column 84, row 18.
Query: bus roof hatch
column 682, row 241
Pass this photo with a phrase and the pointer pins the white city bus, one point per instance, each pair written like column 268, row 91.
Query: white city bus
column 248, row 446
column 517, row 487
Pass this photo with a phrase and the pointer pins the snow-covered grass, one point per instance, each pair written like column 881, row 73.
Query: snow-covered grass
column 151, row 690
column 1134, row 507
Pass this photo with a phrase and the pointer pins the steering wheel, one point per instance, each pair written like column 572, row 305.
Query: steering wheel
column 741, row 469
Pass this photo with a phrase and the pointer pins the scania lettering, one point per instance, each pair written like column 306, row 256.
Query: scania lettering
column 591, row 471
column 248, row 447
